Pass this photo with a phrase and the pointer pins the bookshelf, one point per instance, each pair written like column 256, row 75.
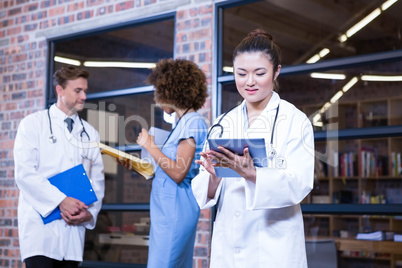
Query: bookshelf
column 359, row 170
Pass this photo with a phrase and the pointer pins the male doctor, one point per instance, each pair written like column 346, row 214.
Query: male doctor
column 47, row 144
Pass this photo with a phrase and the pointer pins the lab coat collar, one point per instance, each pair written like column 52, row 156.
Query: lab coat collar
column 273, row 102
column 58, row 117
column 271, row 106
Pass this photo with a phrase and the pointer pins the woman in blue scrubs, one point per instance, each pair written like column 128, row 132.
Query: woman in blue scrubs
column 180, row 87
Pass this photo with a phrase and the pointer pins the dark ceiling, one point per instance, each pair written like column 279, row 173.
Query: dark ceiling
column 303, row 27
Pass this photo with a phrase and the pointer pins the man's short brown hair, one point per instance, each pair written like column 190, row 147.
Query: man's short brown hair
column 61, row 76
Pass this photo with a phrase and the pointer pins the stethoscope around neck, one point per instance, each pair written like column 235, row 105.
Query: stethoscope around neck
column 271, row 151
column 53, row 139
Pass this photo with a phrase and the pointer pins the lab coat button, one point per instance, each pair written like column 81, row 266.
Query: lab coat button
column 237, row 214
column 237, row 250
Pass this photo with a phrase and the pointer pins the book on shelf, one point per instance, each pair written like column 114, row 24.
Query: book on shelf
column 335, row 164
column 368, row 161
column 375, row 236
column 142, row 167
column 321, row 168
column 396, row 164
column 345, row 164
column 398, row 237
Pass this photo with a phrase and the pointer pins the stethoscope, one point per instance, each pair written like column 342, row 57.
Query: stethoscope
column 53, row 139
column 271, row 151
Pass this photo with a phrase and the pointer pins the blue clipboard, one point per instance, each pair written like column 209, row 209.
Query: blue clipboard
column 74, row 183
column 256, row 148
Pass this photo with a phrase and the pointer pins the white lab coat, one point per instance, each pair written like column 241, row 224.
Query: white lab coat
column 261, row 224
column 36, row 159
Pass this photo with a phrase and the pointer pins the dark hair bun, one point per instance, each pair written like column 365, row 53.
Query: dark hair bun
column 260, row 33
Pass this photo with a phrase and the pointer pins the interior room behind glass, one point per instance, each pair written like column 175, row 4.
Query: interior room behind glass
column 144, row 43
column 304, row 28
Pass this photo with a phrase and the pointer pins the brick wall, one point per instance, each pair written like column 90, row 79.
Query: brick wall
column 24, row 25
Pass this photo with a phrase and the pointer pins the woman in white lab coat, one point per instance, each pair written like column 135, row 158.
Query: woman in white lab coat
column 259, row 221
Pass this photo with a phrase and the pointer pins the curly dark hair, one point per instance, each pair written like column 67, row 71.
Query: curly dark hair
column 180, row 83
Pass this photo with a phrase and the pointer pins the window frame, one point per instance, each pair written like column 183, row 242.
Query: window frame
column 50, row 99
column 360, row 133
column 49, row 94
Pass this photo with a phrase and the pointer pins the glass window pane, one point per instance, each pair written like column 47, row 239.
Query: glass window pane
column 359, row 241
column 366, row 171
column 127, row 48
column 360, row 98
column 119, row 120
column 125, row 186
column 119, row 59
column 128, row 114
column 230, row 96
column 302, row 29
column 119, row 237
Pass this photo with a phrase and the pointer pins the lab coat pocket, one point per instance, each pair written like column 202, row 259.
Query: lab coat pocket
column 218, row 241
column 275, row 238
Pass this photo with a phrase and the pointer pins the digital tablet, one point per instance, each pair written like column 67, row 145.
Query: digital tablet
column 256, row 148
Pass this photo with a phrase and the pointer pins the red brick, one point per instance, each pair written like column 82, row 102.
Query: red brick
column 200, row 34
column 31, row 7
column 48, row 3
column 124, row 5
column 91, row 3
column 14, row 30
column 39, row 15
column 104, row 10
column 149, row 2
column 57, row 11
column 4, row 145
column 182, row 14
column 203, row 226
column 11, row 106
column 85, row 15
column 7, row 23
column 17, row 115
column 207, row 9
column 12, row 50
column 205, row 213
column 66, row 19
column 11, row 232
column 30, row 27
column 14, row 11
column 75, row 7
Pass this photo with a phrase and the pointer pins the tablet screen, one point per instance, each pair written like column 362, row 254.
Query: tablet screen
column 256, row 148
